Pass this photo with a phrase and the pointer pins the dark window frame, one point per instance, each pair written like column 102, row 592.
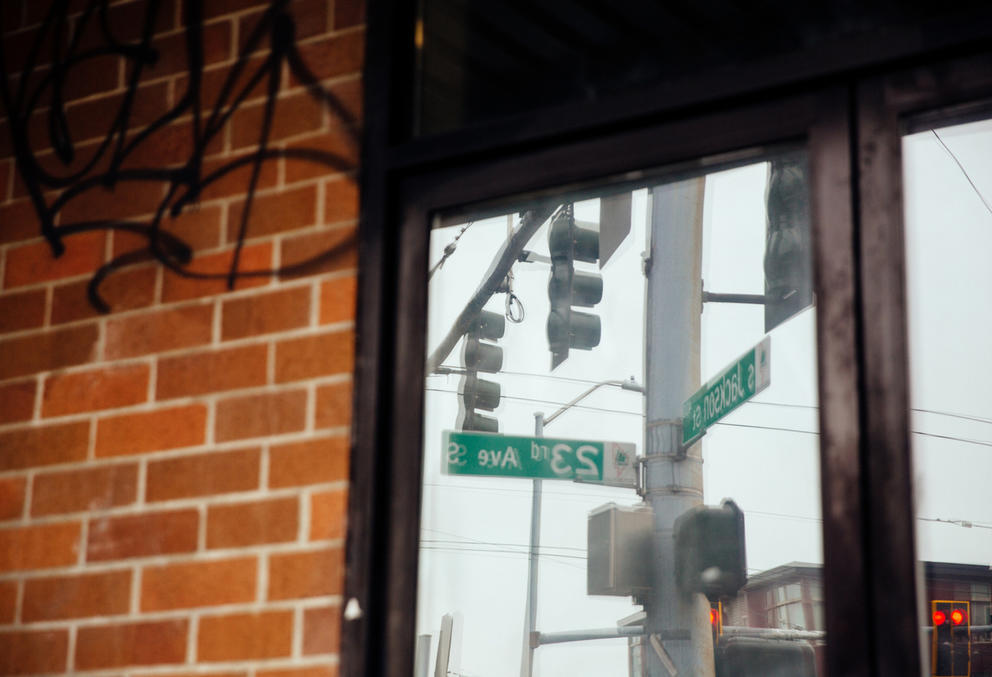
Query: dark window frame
column 851, row 124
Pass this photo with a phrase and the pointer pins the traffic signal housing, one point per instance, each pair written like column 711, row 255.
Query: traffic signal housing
column 709, row 550
column 479, row 355
column 788, row 251
column 950, row 654
column 570, row 241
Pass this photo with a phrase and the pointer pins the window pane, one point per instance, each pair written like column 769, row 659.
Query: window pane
column 693, row 318
column 948, row 185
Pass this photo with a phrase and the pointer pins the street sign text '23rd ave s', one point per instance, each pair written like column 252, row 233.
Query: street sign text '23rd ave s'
column 489, row 455
column 739, row 382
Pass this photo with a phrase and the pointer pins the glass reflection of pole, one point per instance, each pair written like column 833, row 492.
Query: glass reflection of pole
column 530, row 616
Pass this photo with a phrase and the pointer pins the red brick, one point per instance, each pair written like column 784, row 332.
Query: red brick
column 115, row 646
column 48, row 350
column 337, row 300
column 146, row 535
column 151, row 431
column 72, row 393
column 19, row 219
column 33, row 652
column 275, row 213
column 128, row 199
column 261, row 415
column 334, row 56
column 126, row 23
column 32, row 447
column 242, row 524
column 293, row 115
column 166, row 146
column 5, row 169
column 58, row 597
column 17, row 401
column 316, row 156
column 13, row 15
column 310, row 17
column 310, row 462
column 321, row 630
column 310, row 671
column 211, row 372
column 122, row 290
column 33, row 263
column 234, row 77
column 39, row 547
column 310, row 356
column 323, row 251
column 348, row 13
column 8, row 601
column 171, row 49
column 93, row 118
column 245, row 636
column 158, row 331
column 203, row 475
column 265, row 313
column 92, row 76
column 197, row 226
column 229, row 176
column 87, row 489
column 254, row 258
column 328, row 514
column 333, row 405
column 17, row 49
column 340, row 200
column 216, row 8
column 23, row 310
column 195, row 584
column 11, row 497
column 306, row 574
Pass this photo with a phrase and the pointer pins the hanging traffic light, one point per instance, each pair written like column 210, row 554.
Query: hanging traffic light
column 950, row 654
column 788, row 251
column 479, row 355
column 570, row 241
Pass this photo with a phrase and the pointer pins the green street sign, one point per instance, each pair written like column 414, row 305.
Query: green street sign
column 739, row 382
column 490, row 455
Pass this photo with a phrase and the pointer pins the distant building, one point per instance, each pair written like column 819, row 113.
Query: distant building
column 790, row 597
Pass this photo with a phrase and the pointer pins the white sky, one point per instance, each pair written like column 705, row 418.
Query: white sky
column 764, row 455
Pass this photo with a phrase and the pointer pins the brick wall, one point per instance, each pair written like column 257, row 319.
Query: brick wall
column 173, row 473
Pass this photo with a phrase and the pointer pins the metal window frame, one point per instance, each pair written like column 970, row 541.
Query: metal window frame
column 851, row 124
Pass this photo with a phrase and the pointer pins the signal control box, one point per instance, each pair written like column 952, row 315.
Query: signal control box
column 620, row 551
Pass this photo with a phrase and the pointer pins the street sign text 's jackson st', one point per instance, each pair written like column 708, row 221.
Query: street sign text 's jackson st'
column 490, row 455
column 739, row 382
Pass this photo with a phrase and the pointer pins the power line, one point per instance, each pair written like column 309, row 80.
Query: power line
column 963, row 171
column 552, row 402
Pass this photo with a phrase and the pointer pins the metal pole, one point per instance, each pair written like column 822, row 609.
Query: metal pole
column 678, row 622
column 530, row 616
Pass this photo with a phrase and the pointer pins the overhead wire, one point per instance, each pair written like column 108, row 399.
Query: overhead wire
column 964, row 171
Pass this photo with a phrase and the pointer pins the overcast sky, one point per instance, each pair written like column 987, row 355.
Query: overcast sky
column 764, row 455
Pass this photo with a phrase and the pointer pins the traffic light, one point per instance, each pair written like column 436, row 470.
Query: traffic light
column 950, row 654
column 570, row 241
column 709, row 550
column 716, row 621
column 479, row 355
column 788, row 253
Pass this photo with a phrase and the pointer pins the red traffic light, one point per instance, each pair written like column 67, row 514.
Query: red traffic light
column 957, row 616
column 713, row 616
column 939, row 618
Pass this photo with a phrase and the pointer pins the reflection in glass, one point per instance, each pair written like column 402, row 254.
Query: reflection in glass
column 579, row 351
column 948, row 185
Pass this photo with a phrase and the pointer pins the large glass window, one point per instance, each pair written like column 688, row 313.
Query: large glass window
column 948, row 188
column 603, row 362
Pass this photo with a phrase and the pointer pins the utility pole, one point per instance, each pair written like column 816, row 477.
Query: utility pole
column 680, row 638
column 530, row 614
